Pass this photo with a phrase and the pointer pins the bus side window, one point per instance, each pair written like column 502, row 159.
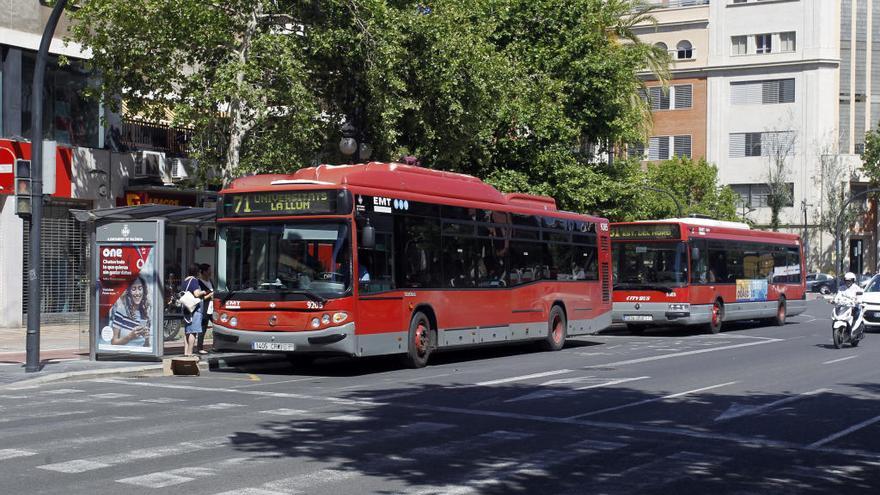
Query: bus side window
column 700, row 263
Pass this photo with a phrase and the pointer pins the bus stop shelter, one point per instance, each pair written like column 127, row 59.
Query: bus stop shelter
column 137, row 258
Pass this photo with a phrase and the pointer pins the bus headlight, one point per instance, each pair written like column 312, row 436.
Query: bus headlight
column 679, row 307
column 224, row 317
column 339, row 317
column 233, row 322
column 316, row 323
column 325, row 319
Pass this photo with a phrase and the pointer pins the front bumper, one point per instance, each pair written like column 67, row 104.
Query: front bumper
column 334, row 340
column 872, row 316
column 658, row 314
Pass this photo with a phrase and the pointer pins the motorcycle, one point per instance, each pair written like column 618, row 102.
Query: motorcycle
column 843, row 329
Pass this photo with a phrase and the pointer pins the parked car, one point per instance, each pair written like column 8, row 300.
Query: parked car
column 871, row 301
column 821, row 283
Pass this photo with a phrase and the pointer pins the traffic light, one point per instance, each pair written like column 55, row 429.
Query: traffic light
column 23, row 188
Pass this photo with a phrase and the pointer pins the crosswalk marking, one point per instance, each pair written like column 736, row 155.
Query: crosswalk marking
column 83, row 465
column 156, row 480
column 220, row 405
column 13, row 453
column 522, row 378
column 62, row 391
column 284, row 412
column 163, row 400
column 350, row 418
column 111, row 395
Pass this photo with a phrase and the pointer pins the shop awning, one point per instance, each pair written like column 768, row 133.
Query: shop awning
column 173, row 215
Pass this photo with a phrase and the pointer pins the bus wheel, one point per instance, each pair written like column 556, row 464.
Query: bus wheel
column 716, row 317
column 419, row 342
column 779, row 321
column 557, row 328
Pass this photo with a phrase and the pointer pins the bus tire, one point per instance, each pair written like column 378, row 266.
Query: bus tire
column 716, row 316
column 420, row 341
column 779, row 319
column 557, row 330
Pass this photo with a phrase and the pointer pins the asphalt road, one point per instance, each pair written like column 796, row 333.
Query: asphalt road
column 756, row 409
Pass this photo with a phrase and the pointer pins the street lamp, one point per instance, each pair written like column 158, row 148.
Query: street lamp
column 350, row 147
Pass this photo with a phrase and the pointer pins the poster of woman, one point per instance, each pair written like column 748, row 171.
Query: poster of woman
column 126, row 299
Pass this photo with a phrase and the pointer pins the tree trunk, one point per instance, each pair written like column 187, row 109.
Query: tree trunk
column 238, row 125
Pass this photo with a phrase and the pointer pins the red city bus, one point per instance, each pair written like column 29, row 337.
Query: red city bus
column 698, row 271
column 364, row 260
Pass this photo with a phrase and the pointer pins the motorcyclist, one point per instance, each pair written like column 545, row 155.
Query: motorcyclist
column 851, row 289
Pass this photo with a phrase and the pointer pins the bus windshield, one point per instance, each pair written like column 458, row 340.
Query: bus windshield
column 290, row 261
column 649, row 265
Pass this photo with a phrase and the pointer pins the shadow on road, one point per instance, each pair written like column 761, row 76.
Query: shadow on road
column 489, row 440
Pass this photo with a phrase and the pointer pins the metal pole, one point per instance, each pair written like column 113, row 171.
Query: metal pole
column 34, row 276
column 806, row 240
column 674, row 199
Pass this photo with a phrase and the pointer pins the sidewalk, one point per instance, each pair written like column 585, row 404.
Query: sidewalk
column 64, row 355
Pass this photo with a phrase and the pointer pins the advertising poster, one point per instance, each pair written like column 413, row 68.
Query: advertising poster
column 127, row 299
column 751, row 290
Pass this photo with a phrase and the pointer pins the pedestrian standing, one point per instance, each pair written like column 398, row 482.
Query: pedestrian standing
column 192, row 319
column 207, row 305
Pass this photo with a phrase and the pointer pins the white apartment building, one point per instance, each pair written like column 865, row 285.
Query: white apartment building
column 788, row 85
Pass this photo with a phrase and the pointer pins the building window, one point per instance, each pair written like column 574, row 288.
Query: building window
column 677, row 96
column 682, row 146
column 665, row 147
column 787, row 41
column 739, row 45
column 683, row 95
column 636, row 150
column 662, row 46
column 684, row 50
column 756, row 195
column 763, row 43
column 746, row 144
column 762, row 92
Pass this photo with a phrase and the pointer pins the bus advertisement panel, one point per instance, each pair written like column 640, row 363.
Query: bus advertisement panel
column 394, row 259
column 704, row 272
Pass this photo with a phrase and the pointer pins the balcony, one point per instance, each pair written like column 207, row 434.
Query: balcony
column 142, row 135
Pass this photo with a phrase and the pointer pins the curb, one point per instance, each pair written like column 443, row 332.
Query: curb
column 215, row 363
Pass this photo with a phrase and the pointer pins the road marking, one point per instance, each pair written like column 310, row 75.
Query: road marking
column 156, row 480
column 613, row 382
column 841, row 359
column 83, row 465
column 275, row 383
column 111, row 395
column 543, row 394
column 685, row 353
column 62, row 391
column 348, row 418
column 220, row 406
column 14, row 453
column 648, row 401
column 43, row 415
column 285, row 412
column 523, row 377
column 738, row 410
column 162, row 400
column 831, row 438
column 253, row 491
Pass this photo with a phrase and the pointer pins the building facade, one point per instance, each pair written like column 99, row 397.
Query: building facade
column 786, row 100
column 101, row 160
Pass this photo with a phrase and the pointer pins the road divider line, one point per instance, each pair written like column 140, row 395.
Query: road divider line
column 613, row 382
column 562, row 392
column 648, row 401
column 856, row 427
column 523, row 377
column 682, row 354
column 841, row 359
column 738, row 410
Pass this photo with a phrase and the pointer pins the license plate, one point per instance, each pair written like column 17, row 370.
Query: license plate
column 271, row 346
column 638, row 318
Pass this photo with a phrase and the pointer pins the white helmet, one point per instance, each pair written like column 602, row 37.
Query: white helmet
column 850, row 276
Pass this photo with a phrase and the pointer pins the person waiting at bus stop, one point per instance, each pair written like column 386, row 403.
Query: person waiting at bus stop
column 192, row 319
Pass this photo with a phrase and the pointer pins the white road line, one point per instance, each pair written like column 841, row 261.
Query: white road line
column 613, row 382
column 156, row 480
column 841, row 359
column 14, row 453
column 253, row 491
column 62, row 391
column 83, row 465
column 162, row 400
column 681, row 354
column 111, row 395
column 557, row 392
column 648, row 401
column 844, row 433
column 285, row 412
column 737, row 410
column 220, row 406
column 348, row 418
column 523, row 377
column 43, row 415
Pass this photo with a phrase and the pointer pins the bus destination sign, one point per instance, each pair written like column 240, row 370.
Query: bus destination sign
column 279, row 203
column 646, row 231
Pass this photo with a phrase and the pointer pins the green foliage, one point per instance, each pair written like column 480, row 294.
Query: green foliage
column 694, row 183
column 526, row 93
column 871, row 157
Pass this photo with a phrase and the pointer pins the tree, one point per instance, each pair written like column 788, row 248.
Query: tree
column 871, row 157
column 833, row 182
column 778, row 147
column 694, row 183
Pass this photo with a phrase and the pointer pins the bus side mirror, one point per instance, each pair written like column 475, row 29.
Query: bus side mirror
column 368, row 236
column 695, row 253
